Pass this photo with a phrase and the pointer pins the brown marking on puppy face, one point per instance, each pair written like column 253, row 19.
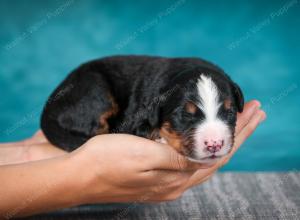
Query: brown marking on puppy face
column 190, row 107
column 172, row 137
column 103, row 120
column 227, row 103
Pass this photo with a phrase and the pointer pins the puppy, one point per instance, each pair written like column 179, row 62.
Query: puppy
column 187, row 103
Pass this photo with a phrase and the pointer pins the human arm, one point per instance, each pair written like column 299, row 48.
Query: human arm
column 108, row 168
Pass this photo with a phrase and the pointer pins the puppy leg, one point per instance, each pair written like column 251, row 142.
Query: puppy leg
column 80, row 113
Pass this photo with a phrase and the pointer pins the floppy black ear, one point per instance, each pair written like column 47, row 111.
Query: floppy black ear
column 153, row 115
column 148, row 121
column 238, row 96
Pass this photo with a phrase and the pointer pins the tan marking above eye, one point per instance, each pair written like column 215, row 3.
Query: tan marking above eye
column 227, row 103
column 190, row 107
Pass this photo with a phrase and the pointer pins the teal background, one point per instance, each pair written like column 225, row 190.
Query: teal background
column 256, row 42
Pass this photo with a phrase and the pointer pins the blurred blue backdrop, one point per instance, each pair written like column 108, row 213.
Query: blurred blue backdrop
column 256, row 42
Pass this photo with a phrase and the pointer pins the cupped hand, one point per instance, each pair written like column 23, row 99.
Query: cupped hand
column 126, row 168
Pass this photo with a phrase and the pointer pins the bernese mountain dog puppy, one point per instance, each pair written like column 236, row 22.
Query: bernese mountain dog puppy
column 187, row 103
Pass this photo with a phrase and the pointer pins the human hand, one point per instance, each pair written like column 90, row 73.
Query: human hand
column 126, row 168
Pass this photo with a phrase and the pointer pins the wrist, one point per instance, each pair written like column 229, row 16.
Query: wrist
column 68, row 183
column 89, row 186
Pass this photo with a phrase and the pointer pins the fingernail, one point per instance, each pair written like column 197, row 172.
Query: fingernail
column 262, row 117
column 257, row 105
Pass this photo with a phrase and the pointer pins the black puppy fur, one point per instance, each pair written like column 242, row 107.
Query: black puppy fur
column 135, row 95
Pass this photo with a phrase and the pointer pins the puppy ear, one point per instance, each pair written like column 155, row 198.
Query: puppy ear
column 238, row 96
column 148, row 120
column 153, row 115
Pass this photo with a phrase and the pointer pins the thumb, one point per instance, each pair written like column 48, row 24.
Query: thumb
column 167, row 158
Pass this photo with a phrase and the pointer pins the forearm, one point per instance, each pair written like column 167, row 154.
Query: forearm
column 12, row 153
column 19, row 152
column 40, row 186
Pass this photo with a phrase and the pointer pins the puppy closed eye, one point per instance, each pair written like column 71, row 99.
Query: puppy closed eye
column 227, row 104
column 228, row 109
column 191, row 108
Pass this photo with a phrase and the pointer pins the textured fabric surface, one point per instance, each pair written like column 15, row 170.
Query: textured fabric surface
column 225, row 196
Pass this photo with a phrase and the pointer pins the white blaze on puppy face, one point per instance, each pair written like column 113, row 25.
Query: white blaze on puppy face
column 212, row 129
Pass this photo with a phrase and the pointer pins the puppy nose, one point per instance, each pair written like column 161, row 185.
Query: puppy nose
column 213, row 146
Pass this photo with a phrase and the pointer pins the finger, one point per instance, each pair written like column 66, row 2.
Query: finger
column 167, row 158
column 248, row 129
column 200, row 177
column 167, row 180
column 155, row 156
column 159, row 192
column 202, row 180
column 37, row 138
column 258, row 117
column 244, row 117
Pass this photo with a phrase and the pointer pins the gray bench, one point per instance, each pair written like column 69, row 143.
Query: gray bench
column 226, row 196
